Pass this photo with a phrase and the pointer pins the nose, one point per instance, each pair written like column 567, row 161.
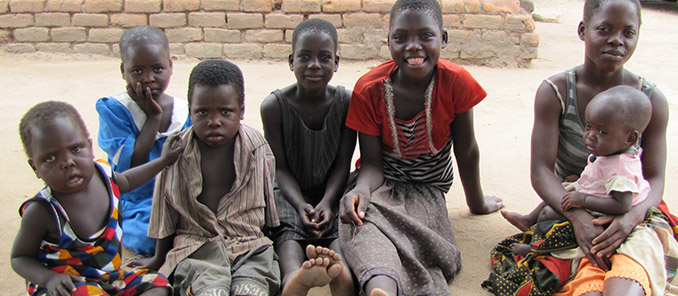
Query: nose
column 616, row 39
column 413, row 44
column 213, row 121
column 315, row 63
column 148, row 76
column 67, row 163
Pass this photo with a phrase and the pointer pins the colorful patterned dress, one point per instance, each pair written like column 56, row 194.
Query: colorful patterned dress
column 96, row 261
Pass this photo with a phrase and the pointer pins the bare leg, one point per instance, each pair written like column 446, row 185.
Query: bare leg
column 520, row 249
column 622, row 286
column 342, row 284
column 159, row 291
column 291, row 258
column 381, row 285
column 592, row 294
column 523, row 222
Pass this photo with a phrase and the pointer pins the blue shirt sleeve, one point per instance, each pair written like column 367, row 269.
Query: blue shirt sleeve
column 117, row 133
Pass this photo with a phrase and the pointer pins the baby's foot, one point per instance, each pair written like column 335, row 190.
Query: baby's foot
column 520, row 249
column 517, row 220
column 313, row 273
column 378, row 292
column 341, row 283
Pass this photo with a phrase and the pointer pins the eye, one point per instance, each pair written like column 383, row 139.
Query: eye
column 158, row 69
column 587, row 126
column 604, row 29
column 201, row 112
column 325, row 58
column 427, row 36
column 602, row 132
column 630, row 33
column 303, row 56
column 136, row 71
column 226, row 112
column 50, row 159
column 76, row 149
column 398, row 37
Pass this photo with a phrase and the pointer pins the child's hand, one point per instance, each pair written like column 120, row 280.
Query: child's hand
column 352, row 207
column 172, row 149
column 307, row 216
column 144, row 98
column 62, row 284
column 572, row 199
column 324, row 216
column 490, row 204
column 144, row 262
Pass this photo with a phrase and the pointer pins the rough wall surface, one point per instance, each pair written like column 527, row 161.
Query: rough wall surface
column 496, row 33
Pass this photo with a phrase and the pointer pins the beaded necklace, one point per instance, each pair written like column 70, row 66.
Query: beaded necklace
column 390, row 108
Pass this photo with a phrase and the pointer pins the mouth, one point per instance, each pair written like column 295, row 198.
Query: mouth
column 614, row 54
column 214, row 138
column 74, row 181
column 314, row 77
column 415, row 61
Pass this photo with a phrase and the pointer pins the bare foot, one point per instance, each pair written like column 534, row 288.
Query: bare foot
column 519, row 221
column 520, row 249
column 313, row 273
column 378, row 292
column 341, row 283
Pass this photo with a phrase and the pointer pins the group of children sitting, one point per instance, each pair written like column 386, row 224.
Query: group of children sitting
column 233, row 212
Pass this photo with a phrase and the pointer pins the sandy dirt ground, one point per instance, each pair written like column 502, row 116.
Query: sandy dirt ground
column 503, row 121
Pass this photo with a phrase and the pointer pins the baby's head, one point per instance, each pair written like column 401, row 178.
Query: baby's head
column 314, row 53
column 416, row 37
column 146, row 62
column 58, row 146
column 216, row 101
column 615, row 119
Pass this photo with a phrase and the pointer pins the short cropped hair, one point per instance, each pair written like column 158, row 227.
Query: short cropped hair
column 592, row 6
column 139, row 36
column 44, row 114
column 431, row 7
column 315, row 25
column 214, row 73
column 635, row 109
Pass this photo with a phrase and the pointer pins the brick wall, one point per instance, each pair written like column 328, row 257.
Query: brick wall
column 482, row 32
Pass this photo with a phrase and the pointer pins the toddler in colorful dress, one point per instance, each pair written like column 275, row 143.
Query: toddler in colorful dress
column 69, row 239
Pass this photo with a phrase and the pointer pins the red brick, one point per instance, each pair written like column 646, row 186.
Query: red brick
column 353, row 35
column 89, row 20
column 70, row 34
column 129, row 20
column 58, row 19
column 105, row 35
column 143, row 6
column 301, row 5
column 204, row 50
column 358, row 52
column 277, row 51
column 19, row 48
column 367, row 20
column 16, row 20
column 207, row 19
column 177, row 49
column 282, row 21
column 472, row 6
column 483, row 21
column 103, row 5
column 26, row 6
column 377, row 5
column 244, row 20
column 451, row 21
column 167, row 20
column 5, row 36
column 257, row 5
column 93, row 48
column 64, row 5
column 530, row 39
column 54, row 47
column 521, row 23
column 507, row 6
column 264, row 36
column 221, row 5
column 335, row 19
column 4, row 6
column 181, row 5
column 341, row 5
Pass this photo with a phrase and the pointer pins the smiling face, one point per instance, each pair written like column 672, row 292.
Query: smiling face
column 415, row 41
column 604, row 131
column 61, row 155
column 314, row 60
column 148, row 64
column 215, row 113
column 611, row 35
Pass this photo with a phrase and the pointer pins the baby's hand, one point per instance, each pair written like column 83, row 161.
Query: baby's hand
column 144, row 98
column 144, row 262
column 62, row 284
column 172, row 149
column 571, row 200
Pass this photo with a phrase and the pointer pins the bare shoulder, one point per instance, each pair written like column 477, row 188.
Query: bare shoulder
column 38, row 218
column 269, row 105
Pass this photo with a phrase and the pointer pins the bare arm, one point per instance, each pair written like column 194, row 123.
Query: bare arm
column 620, row 203
column 467, row 154
column 162, row 247
column 146, row 138
column 137, row 176
column 654, row 169
column 371, row 175
column 35, row 223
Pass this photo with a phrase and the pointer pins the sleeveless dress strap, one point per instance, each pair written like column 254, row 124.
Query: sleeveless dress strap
column 560, row 98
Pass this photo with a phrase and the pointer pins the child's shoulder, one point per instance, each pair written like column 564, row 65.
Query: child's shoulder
column 251, row 136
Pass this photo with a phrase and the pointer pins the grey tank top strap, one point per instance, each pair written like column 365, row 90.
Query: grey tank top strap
column 311, row 153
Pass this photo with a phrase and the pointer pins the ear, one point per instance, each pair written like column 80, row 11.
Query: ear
column 34, row 168
column 242, row 112
column 91, row 150
column 444, row 38
column 122, row 70
column 580, row 30
column 336, row 62
column 171, row 66
column 290, row 60
column 632, row 138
